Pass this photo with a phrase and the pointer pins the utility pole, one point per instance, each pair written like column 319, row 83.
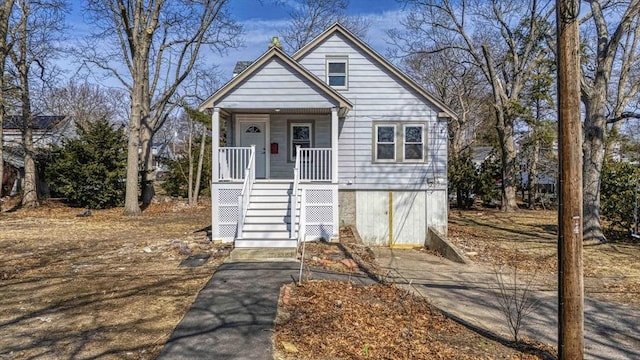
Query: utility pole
column 570, row 281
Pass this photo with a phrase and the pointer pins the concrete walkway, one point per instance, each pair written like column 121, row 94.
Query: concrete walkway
column 467, row 292
column 232, row 316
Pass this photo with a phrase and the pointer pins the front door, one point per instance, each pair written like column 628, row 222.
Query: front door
column 253, row 133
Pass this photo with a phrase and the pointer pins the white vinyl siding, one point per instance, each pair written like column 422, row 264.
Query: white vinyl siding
column 378, row 98
column 281, row 165
column 275, row 86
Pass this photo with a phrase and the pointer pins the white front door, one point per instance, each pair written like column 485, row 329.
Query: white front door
column 254, row 133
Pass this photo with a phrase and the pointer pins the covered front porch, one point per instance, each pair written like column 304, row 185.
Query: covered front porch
column 275, row 176
column 275, row 166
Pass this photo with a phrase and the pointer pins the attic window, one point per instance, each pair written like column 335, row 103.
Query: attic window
column 337, row 72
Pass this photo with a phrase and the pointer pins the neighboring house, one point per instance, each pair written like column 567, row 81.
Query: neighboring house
column 46, row 130
column 330, row 136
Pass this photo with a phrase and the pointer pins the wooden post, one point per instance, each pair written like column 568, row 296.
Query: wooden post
column 215, row 145
column 570, row 280
column 334, row 145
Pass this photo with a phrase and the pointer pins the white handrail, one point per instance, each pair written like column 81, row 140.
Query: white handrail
column 315, row 164
column 294, row 194
column 243, row 198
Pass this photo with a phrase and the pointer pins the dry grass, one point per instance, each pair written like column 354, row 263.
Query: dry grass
column 105, row 286
column 528, row 240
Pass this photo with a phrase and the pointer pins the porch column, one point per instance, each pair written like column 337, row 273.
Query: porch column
column 215, row 145
column 334, row 145
column 215, row 170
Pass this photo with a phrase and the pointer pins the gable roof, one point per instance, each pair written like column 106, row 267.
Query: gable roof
column 275, row 52
column 40, row 122
column 338, row 28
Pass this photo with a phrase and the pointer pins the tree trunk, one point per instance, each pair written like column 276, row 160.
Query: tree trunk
column 509, row 168
column 131, row 206
column 196, row 189
column 533, row 176
column 190, row 157
column 30, row 189
column 593, row 150
column 146, row 160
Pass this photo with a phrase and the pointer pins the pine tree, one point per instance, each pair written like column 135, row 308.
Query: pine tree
column 90, row 171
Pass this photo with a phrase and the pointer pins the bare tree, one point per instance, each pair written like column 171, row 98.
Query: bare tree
column 310, row 17
column 85, row 103
column 612, row 22
column 5, row 12
column 36, row 27
column 502, row 38
column 457, row 85
column 151, row 48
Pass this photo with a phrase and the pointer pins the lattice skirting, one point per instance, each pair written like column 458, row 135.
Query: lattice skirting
column 227, row 213
column 319, row 214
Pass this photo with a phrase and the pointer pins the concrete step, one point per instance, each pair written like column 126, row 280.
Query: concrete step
column 265, row 243
column 289, row 253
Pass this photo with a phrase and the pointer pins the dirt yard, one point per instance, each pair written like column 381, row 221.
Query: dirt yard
column 527, row 240
column 103, row 286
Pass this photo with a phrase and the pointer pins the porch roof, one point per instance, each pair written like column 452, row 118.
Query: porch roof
column 306, row 79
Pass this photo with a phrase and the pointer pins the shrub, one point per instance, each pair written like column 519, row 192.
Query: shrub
column 617, row 191
column 90, row 170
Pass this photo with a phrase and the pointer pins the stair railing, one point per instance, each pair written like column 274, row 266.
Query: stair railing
column 294, row 193
column 243, row 198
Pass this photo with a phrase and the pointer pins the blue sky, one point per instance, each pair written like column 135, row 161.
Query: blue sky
column 261, row 20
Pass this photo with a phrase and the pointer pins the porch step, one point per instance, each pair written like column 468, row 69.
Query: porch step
column 264, row 254
column 265, row 243
column 267, row 206
column 263, row 226
column 265, row 220
column 271, row 184
column 265, row 233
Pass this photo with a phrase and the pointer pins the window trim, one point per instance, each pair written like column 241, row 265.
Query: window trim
column 405, row 143
column 376, row 143
column 337, row 59
column 291, row 151
column 399, row 148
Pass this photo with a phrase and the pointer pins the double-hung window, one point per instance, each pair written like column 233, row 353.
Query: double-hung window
column 385, row 147
column 337, row 72
column 413, row 142
column 399, row 142
column 300, row 135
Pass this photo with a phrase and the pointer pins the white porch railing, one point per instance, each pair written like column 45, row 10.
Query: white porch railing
column 234, row 162
column 243, row 198
column 315, row 164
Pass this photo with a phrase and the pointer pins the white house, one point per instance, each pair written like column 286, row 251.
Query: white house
column 330, row 136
